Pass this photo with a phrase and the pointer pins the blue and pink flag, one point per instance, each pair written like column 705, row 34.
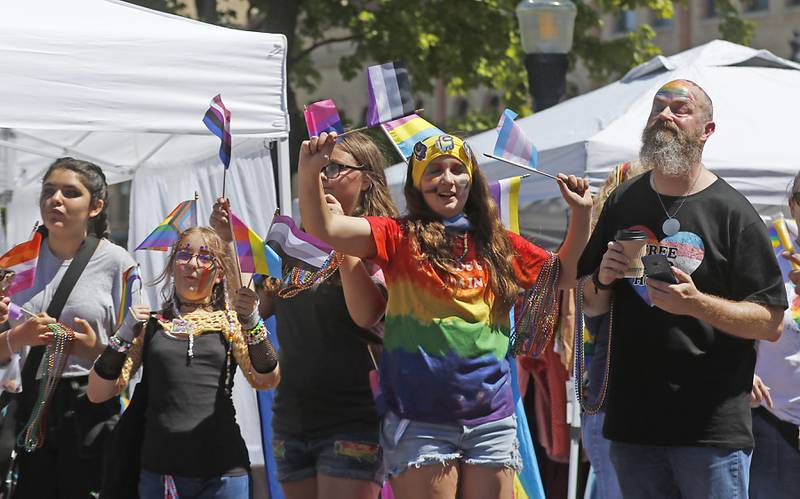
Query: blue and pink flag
column 512, row 144
column 22, row 260
column 389, row 93
column 218, row 121
column 168, row 231
column 321, row 117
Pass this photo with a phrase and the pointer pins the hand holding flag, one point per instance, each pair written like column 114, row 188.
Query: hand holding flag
column 21, row 260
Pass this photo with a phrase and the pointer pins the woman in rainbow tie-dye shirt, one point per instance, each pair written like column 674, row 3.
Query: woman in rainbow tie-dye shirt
column 453, row 272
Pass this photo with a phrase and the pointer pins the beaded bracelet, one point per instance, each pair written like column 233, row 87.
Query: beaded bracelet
column 119, row 345
column 257, row 334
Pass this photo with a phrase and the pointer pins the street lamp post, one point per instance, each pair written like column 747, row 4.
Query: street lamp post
column 546, row 28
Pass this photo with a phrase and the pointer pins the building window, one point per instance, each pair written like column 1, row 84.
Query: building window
column 625, row 22
column 661, row 22
column 755, row 5
column 711, row 9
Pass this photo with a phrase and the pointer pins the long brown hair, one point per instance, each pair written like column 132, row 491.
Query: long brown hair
column 428, row 236
column 375, row 200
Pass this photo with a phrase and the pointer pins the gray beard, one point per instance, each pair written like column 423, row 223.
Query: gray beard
column 670, row 152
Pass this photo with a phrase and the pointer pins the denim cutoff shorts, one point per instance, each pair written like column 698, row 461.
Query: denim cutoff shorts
column 407, row 443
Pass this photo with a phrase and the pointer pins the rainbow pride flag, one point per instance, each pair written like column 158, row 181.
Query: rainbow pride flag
column 129, row 277
column 505, row 193
column 321, row 117
column 512, row 143
column 218, row 122
column 407, row 131
column 166, row 234
column 249, row 248
column 22, row 259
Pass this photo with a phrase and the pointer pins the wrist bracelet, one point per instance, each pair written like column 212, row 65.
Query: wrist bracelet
column 119, row 345
column 257, row 334
column 597, row 283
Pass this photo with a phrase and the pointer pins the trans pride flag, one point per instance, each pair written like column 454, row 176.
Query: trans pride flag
column 129, row 277
column 407, row 131
column 512, row 144
column 22, row 259
column 218, row 121
column 321, row 117
column 389, row 93
column 249, row 248
column 505, row 193
column 166, row 234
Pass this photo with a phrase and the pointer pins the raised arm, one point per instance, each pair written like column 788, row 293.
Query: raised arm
column 349, row 235
column 575, row 192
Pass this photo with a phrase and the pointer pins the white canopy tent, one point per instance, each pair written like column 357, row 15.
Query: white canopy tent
column 127, row 88
column 754, row 147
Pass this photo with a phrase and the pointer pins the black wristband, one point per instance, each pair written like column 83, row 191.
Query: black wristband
column 263, row 356
column 109, row 365
column 597, row 283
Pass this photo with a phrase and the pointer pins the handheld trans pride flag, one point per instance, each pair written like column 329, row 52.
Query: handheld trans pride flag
column 389, row 93
column 298, row 244
column 321, row 117
column 218, row 121
column 22, row 259
column 249, row 248
column 407, row 131
column 505, row 193
column 512, row 144
column 129, row 277
column 166, row 234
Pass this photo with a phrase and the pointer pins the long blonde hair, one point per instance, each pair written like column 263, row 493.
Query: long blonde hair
column 219, row 301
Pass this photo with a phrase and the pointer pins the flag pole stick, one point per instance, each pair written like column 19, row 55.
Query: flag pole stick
column 224, row 178
column 235, row 253
column 519, row 165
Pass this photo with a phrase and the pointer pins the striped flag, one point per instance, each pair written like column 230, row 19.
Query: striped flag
column 407, row 131
column 321, row 117
column 296, row 243
column 781, row 232
column 218, row 121
column 129, row 277
column 505, row 193
column 273, row 262
column 512, row 144
column 389, row 93
column 249, row 248
column 21, row 259
column 168, row 231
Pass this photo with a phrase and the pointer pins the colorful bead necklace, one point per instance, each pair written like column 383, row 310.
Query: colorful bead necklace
column 579, row 367
column 535, row 326
column 301, row 280
column 55, row 360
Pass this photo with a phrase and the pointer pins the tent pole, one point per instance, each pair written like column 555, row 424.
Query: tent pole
column 284, row 178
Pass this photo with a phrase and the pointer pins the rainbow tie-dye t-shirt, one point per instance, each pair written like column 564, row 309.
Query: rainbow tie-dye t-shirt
column 443, row 362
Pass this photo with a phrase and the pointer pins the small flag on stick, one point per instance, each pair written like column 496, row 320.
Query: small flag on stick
column 129, row 277
column 321, row 117
column 218, row 121
column 512, row 144
column 389, row 93
column 249, row 248
column 22, row 259
column 407, row 131
column 298, row 244
column 505, row 193
column 166, row 234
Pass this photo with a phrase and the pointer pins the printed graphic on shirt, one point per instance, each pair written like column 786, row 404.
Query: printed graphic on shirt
column 684, row 250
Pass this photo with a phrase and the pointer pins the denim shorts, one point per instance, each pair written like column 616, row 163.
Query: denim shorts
column 355, row 456
column 409, row 443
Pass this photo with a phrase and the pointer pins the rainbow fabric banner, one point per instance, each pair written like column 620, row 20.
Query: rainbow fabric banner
column 22, row 259
column 321, row 117
column 505, row 193
column 166, row 234
column 296, row 243
column 512, row 144
column 129, row 277
column 218, row 121
column 407, row 131
column 389, row 93
column 249, row 248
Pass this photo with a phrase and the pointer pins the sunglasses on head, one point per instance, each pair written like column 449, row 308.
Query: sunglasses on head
column 333, row 170
column 205, row 260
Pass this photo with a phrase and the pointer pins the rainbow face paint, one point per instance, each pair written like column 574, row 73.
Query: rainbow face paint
column 675, row 90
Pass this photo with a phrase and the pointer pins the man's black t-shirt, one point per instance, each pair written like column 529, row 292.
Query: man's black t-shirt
column 676, row 380
column 325, row 364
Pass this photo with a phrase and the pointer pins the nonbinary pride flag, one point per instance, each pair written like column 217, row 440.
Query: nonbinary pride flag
column 321, row 117
column 505, row 193
column 129, row 277
column 249, row 248
column 408, row 130
column 512, row 144
column 389, row 93
column 298, row 244
column 22, row 259
column 218, row 121
column 166, row 234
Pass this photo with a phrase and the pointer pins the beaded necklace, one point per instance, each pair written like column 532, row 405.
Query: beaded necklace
column 301, row 279
column 579, row 367
column 55, row 360
column 535, row 326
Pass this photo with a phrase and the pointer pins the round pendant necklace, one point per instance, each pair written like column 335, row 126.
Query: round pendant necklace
column 672, row 225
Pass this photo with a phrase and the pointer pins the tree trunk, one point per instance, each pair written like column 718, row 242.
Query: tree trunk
column 206, row 10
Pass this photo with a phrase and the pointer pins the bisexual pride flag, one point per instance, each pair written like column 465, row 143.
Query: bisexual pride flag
column 168, row 231
column 249, row 248
column 389, row 93
column 407, row 131
column 129, row 277
column 505, row 193
column 218, row 121
column 22, row 259
column 296, row 243
column 512, row 144
column 321, row 117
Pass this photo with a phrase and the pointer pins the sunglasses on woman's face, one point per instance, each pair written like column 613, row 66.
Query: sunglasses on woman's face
column 205, row 260
column 333, row 170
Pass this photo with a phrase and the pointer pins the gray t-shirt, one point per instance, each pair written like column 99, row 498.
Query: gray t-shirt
column 95, row 297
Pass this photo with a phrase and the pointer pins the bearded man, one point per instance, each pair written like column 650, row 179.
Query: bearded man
column 682, row 355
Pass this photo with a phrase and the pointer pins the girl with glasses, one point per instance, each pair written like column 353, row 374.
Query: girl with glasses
column 325, row 423
column 190, row 444
column 453, row 273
